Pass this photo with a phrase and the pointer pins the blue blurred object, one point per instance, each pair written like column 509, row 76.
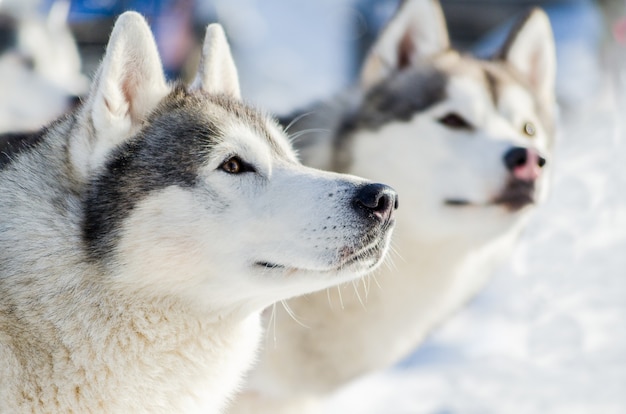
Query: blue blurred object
column 575, row 21
column 171, row 22
column 277, row 43
column 95, row 9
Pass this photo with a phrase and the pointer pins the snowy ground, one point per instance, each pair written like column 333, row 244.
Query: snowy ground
column 549, row 333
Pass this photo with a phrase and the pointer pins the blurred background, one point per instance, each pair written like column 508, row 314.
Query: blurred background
column 548, row 335
column 278, row 43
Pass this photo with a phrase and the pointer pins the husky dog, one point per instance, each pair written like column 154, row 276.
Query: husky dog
column 40, row 70
column 465, row 142
column 142, row 235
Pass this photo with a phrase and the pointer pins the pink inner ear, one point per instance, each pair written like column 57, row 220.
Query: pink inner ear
column 406, row 51
column 129, row 86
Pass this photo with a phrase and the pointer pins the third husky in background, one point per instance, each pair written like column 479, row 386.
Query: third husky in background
column 40, row 69
column 466, row 143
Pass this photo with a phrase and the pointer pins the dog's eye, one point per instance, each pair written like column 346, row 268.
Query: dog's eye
column 529, row 129
column 455, row 121
column 235, row 165
column 232, row 165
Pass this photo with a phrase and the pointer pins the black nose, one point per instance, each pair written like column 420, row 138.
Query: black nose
column 518, row 157
column 376, row 200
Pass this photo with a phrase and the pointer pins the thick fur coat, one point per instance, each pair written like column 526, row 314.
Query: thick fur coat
column 142, row 235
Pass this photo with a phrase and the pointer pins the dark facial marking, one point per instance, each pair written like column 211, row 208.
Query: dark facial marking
column 397, row 98
column 400, row 97
column 492, row 86
column 169, row 151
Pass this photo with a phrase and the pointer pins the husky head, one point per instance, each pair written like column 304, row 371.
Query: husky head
column 40, row 72
column 465, row 141
column 193, row 194
column 51, row 49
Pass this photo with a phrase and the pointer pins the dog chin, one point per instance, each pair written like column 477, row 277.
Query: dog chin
column 516, row 196
column 368, row 258
column 350, row 261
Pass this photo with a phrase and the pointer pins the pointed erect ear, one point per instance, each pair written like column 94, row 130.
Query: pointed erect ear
column 128, row 86
column 57, row 17
column 531, row 52
column 418, row 30
column 217, row 72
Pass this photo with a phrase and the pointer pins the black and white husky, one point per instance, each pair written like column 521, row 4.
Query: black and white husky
column 141, row 236
column 466, row 142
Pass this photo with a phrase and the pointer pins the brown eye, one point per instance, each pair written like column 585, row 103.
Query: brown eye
column 235, row 165
column 529, row 129
column 455, row 121
column 232, row 165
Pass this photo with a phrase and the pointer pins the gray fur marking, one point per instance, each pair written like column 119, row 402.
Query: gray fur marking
column 168, row 151
column 399, row 98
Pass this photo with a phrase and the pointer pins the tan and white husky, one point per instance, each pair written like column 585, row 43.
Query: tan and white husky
column 467, row 144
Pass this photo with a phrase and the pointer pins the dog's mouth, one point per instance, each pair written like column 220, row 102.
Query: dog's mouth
column 516, row 195
column 457, row 202
column 365, row 258
column 368, row 257
column 370, row 254
column 270, row 265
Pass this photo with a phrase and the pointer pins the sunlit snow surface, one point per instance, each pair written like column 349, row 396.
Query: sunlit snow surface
column 548, row 335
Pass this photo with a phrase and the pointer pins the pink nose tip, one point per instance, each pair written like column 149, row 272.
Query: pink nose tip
column 524, row 163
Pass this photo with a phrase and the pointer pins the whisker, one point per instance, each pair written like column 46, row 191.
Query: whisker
column 296, row 119
column 295, row 137
column 293, row 315
column 373, row 276
column 395, row 252
column 330, row 302
column 340, row 297
column 390, row 263
column 356, row 291
column 272, row 322
column 366, row 285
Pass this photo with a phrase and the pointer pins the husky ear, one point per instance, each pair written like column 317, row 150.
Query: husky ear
column 418, row 30
column 57, row 17
column 128, row 86
column 217, row 72
column 531, row 52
